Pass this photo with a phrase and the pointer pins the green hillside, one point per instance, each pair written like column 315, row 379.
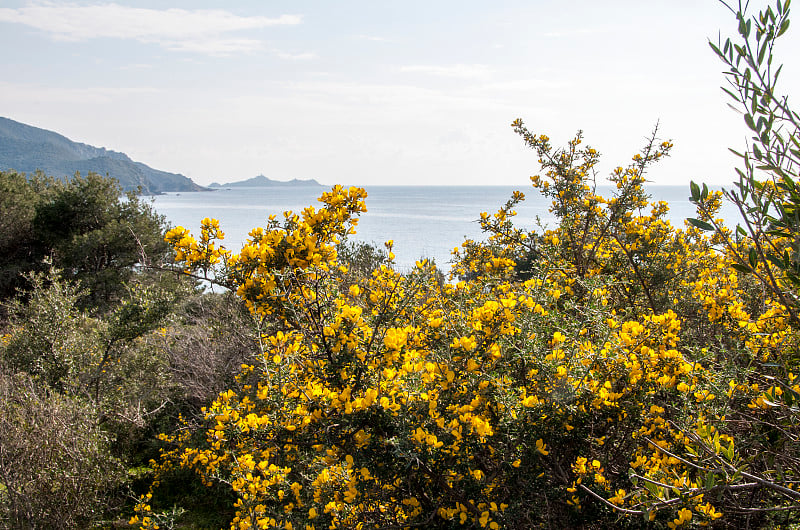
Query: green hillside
column 28, row 149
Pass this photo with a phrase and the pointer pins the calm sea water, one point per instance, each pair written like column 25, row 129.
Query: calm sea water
column 423, row 221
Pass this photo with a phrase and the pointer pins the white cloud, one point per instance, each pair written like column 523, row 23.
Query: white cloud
column 211, row 46
column 529, row 86
column 371, row 38
column 199, row 31
column 461, row 71
column 36, row 93
column 295, row 56
column 137, row 66
column 575, row 32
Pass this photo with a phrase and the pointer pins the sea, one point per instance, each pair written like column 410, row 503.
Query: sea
column 424, row 222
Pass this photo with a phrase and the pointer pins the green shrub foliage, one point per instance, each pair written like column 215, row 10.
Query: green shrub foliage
column 56, row 468
column 85, row 226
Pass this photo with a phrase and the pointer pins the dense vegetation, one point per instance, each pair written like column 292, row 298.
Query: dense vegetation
column 611, row 371
column 79, row 226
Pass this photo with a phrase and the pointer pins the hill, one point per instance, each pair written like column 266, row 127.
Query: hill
column 262, row 181
column 26, row 149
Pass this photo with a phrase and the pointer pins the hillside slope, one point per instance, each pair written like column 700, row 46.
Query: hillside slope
column 27, row 149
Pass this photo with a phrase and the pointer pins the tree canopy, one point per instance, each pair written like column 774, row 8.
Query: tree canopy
column 84, row 226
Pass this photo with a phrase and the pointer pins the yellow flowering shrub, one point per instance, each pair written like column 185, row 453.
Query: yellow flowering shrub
column 610, row 370
column 395, row 400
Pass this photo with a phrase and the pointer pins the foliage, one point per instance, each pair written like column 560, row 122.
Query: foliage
column 64, row 348
column 77, row 334
column 762, row 252
column 56, row 469
column 147, row 365
column 18, row 198
column 109, row 367
column 208, row 339
column 361, row 258
column 83, row 225
column 596, row 235
column 767, row 244
column 48, row 339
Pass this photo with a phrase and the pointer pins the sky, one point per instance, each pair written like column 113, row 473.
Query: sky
column 375, row 92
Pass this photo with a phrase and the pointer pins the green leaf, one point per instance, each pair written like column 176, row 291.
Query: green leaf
column 777, row 232
column 735, row 152
column 753, row 258
column 741, row 268
column 794, row 278
column 702, row 225
column 732, row 95
column 784, row 27
column 775, row 260
column 748, row 119
column 695, row 189
column 729, row 452
column 652, row 488
column 790, row 396
column 761, row 53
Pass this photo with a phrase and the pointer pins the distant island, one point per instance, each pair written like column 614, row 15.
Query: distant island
column 26, row 149
column 262, row 181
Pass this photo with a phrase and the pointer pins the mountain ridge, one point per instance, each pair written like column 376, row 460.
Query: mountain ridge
column 263, row 181
column 26, row 149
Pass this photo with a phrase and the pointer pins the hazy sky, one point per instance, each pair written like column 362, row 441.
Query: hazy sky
column 377, row 91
